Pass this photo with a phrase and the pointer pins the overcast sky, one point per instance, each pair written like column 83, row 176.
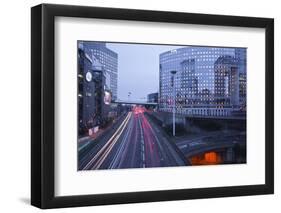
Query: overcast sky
column 138, row 68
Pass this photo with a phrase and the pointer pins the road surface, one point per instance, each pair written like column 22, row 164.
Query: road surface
column 133, row 142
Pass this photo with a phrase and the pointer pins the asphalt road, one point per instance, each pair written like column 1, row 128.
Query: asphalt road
column 133, row 142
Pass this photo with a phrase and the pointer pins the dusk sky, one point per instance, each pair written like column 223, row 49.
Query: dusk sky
column 138, row 69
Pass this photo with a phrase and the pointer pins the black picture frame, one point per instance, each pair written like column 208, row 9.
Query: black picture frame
column 43, row 105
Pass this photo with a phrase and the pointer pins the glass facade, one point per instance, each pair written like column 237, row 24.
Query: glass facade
column 208, row 80
column 152, row 97
column 109, row 61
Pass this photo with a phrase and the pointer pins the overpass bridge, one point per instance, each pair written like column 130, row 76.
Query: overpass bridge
column 135, row 102
column 197, row 123
column 217, row 143
column 216, row 117
column 201, row 149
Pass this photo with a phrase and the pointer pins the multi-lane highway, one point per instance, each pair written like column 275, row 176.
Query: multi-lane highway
column 134, row 141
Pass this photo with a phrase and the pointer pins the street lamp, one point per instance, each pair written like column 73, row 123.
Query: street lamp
column 129, row 95
column 173, row 72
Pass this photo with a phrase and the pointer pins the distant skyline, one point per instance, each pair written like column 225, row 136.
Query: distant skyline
column 138, row 68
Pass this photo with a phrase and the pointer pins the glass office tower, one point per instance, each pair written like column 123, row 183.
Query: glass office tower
column 109, row 61
column 209, row 81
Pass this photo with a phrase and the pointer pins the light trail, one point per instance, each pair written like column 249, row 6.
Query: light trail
column 120, row 150
column 109, row 144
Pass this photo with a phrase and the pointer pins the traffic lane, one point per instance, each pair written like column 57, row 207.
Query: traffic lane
column 137, row 145
column 94, row 145
column 151, row 149
column 155, row 152
column 168, row 155
column 98, row 154
column 119, row 151
column 129, row 150
column 104, row 160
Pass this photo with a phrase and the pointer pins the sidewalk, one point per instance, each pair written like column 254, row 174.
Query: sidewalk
column 84, row 141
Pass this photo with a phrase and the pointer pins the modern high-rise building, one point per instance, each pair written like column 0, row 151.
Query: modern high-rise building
column 188, row 79
column 93, row 94
column 226, row 92
column 88, row 107
column 152, row 97
column 241, row 56
column 108, row 60
column 208, row 80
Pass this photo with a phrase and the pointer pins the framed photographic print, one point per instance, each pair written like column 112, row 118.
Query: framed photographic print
column 139, row 106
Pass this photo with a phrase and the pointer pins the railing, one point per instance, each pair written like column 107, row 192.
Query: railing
column 135, row 102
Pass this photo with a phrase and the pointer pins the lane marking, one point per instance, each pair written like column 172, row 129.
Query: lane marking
column 121, row 148
column 106, row 153
column 173, row 153
column 107, row 144
column 142, row 144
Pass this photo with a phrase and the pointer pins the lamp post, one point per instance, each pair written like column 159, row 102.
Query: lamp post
column 129, row 95
column 173, row 72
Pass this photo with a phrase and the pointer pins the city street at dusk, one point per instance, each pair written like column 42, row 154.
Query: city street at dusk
column 135, row 143
column 151, row 105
